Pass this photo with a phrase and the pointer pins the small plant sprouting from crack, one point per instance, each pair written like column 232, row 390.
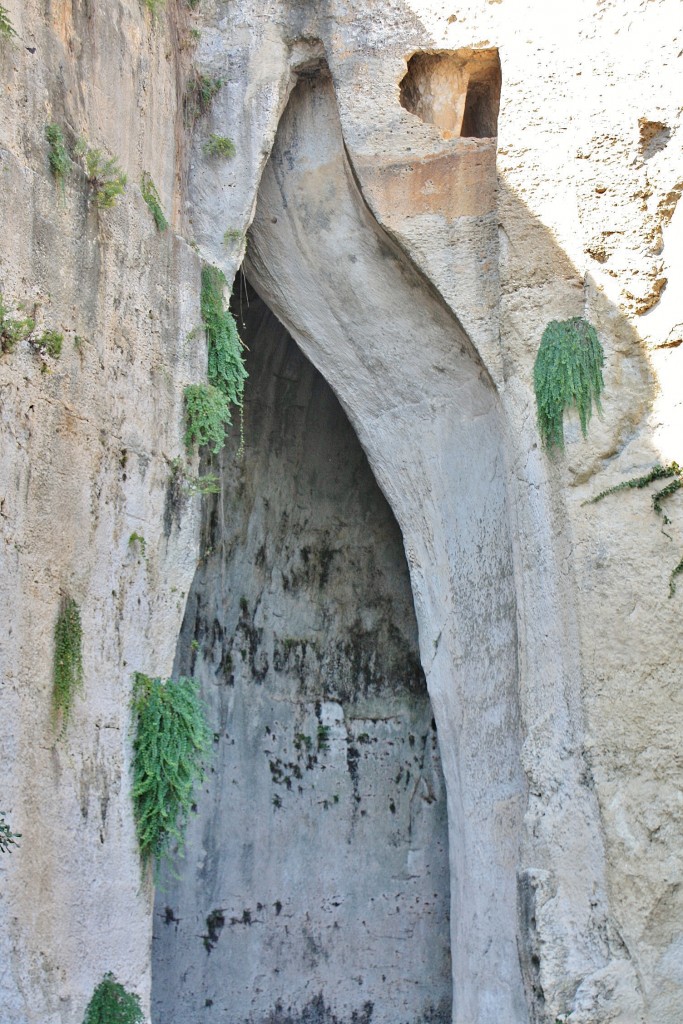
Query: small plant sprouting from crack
column 13, row 330
column 104, row 176
column 60, row 161
column 674, row 473
column 48, row 343
column 219, row 145
column 567, row 374
column 137, row 538
column 68, row 660
column 201, row 90
column 323, row 737
column 153, row 200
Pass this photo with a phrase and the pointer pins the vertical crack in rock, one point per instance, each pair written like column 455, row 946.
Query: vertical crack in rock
column 315, row 887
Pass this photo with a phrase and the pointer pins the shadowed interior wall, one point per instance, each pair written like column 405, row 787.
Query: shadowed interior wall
column 315, row 886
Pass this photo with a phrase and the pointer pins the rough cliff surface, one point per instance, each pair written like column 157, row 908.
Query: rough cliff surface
column 417, row 190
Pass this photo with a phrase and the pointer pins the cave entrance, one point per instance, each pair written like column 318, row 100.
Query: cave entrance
column 456, row 90
column 315, row 885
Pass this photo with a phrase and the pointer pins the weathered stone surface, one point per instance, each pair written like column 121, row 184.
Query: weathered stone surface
column 585, row 220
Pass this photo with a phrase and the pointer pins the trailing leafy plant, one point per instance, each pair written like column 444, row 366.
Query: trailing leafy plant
column 6, row 27
column 201, row 90
column 60, row 161
column 13, row 330
column 8, row 838
column 226, row 371
column 105, row 177
column 112, row 1004
column 219, row 145
column 567, row 374
column 153, row 200
column 171, row 742
column 68, row 660
column 207, row 414
column 672, row 472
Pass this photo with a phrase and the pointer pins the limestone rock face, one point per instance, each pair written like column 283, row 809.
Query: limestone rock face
column 425, row 187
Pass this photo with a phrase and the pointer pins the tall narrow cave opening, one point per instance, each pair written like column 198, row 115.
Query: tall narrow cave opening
column 315, row 883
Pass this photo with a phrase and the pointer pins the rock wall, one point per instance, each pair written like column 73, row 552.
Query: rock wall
column 315, row 884
column 546, row 632
column 88, row 440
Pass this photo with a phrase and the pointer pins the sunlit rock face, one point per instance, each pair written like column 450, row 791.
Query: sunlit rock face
column 315, row 886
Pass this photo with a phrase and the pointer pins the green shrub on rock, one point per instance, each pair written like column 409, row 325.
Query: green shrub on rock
column 567, row 374
column 112, row 1004
column 172, row 739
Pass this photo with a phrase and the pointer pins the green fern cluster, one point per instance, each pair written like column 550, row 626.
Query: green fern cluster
column 567, row 374
column 171, row 741
column 8, row 838
column 6, row 27
column 68, row 659
column 60, row 161
column 672, row 472
column 153, row 200
column 207, row 414
column 112, row 1004
column 227, row 371
column 105, row 176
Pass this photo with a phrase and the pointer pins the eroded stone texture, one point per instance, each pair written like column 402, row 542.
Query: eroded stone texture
column 315, row 888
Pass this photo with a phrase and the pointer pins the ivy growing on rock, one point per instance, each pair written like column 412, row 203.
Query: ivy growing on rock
column 112, row 1004
column 674, row 473
column 567, row 374
column 68, row 660
column 171, row 742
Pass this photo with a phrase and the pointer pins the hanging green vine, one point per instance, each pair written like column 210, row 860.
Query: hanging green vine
column 567, row 374
column 112, row 1004
column 68, row 660
column 226, row 370
column 674, row 473
column 171, row 742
